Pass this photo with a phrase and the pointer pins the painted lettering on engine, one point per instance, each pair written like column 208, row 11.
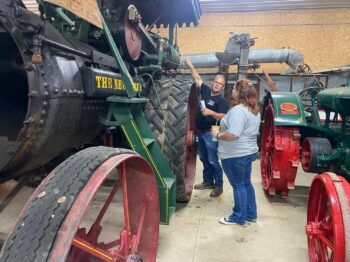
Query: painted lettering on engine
column 103, row 82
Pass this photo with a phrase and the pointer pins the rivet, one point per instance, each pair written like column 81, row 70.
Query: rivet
column 43, row 112
column 10, row 152
column 55, row 91
column 29, row 120
column 61, row 200
column 42, row 73
column 44, row 104
column 29, row 67
column 33, row 94
column 65, row 91
column 46, row 94
column 46, row 85
column 42, row 194
column 41, row 122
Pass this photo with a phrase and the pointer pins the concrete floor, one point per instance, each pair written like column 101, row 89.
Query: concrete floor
column 196, row 235
column 279, row 235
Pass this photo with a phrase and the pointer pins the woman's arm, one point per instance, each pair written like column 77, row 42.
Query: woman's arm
column 226, row 136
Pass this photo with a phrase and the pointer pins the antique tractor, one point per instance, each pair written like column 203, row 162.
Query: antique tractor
column 315, row 127
column 79, row 82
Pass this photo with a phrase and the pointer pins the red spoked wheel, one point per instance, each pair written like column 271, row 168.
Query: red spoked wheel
column 190, row 144
column 328, row 219
column 100, row 204
column 279, row 155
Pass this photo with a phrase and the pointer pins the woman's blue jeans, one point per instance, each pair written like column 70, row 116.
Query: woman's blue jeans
column 208, row 154
column 238, row 171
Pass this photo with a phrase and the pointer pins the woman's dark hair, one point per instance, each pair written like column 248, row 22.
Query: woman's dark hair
column 249, row 97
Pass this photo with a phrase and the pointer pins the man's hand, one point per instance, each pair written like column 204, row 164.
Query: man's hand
column 268, row 81
column 187, row 62
column 197, row 78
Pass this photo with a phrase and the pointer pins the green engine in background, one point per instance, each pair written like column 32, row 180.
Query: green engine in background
column 324, row 127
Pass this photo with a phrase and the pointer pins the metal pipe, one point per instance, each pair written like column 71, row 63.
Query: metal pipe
column 201, row 60
column 291, row 57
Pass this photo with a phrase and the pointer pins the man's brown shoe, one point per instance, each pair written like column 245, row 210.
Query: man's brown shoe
column 217, row 191
column 203, row 186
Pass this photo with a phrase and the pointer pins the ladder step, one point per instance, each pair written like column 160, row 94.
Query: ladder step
column 149, row 141
column 169, row 182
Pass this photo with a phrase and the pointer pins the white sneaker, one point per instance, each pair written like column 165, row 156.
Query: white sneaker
column 226, row 221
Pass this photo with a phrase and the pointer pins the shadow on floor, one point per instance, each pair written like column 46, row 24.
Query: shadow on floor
column 296, row 197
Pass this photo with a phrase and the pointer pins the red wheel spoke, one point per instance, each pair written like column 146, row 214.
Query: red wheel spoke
column 92, row 250
column 321, row 204
column 108, row 202
column 112, row 244
column 322, row 251
column 325, row 241
column 125, row 198
column 136, row 239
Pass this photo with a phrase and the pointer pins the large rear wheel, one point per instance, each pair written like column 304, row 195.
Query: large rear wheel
column 279, row 155
column 171, row 116
column 101, row 204
column 328, row 219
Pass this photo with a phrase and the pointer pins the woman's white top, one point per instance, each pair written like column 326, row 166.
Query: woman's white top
column 243, row 124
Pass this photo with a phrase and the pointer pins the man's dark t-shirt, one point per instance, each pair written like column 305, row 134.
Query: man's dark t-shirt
column 216, row 103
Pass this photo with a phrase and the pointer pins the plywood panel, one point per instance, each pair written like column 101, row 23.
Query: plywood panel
column 322, row 36
column 86, row 9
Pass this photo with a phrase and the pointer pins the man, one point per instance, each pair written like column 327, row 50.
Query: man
column 213, row 109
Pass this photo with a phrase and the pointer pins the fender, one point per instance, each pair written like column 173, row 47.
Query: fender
column 288, row 109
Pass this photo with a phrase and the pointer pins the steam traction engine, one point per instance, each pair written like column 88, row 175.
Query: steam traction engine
column 81, row 75
column 316, row 123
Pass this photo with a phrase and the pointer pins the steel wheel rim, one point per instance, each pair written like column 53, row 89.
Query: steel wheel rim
column 324, row 215
column 131, row 237
column 266, row 147
column 190, row 148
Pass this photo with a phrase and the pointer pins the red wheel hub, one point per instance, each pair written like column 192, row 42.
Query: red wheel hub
column 127, row 221
column 328, row 219
column 306, row 155
column 279, row 155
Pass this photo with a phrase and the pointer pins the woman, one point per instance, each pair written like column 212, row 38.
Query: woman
column 238, row 149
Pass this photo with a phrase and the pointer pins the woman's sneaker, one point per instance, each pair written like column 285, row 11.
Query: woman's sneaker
column 227, row 221
column 251, row 220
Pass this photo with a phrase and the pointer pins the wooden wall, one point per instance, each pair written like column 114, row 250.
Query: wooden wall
column 322, row 36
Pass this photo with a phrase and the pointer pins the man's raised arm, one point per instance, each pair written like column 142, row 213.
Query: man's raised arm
column 196, row 77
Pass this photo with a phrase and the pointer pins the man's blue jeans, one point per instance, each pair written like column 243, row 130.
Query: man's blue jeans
column 238, row 171
column 208, row 154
